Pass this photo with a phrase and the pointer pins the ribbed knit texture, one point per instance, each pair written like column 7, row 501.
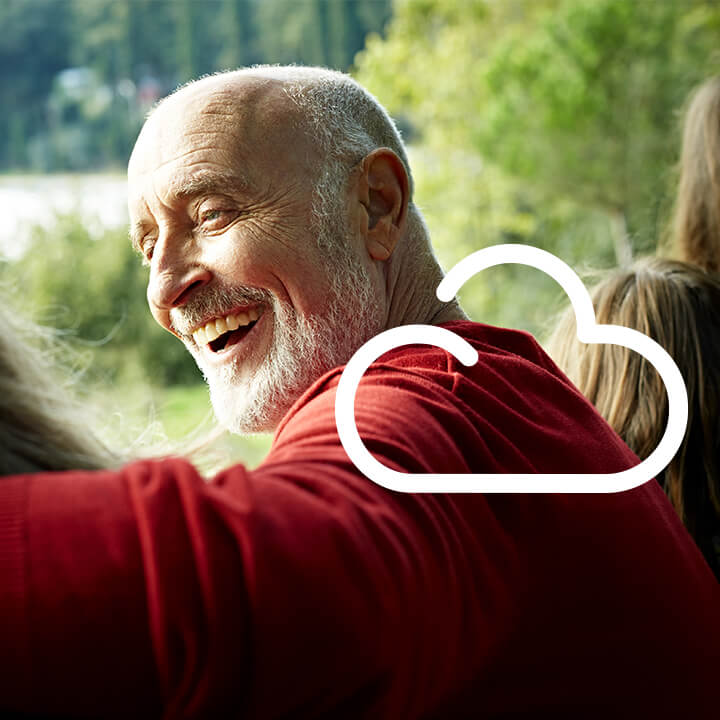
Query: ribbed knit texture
column 13, row 571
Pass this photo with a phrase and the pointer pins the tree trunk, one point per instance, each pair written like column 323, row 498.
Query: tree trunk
column 621, row 241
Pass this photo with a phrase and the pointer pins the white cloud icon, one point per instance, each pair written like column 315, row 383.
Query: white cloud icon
column 588, row 331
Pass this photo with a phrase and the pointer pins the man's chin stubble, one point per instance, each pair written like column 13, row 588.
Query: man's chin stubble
column 302, row 351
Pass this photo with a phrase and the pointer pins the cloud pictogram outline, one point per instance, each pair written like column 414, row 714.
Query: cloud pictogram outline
column 588, row 331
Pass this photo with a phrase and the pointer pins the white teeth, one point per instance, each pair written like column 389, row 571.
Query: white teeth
column 211, row 332
column 200, row 336
column 215, row 328
column 221, row 326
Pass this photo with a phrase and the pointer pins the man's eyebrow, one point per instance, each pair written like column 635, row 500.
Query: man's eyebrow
column 136, row 233
column 184, row 188
column 201, row 183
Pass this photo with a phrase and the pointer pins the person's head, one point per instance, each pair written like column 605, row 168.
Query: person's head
column 42, row 427
column 676, row 304
column 274, row 206
column 696, row 223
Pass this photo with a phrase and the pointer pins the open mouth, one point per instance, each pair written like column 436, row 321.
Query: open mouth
column 221, row 333
column 230, row 338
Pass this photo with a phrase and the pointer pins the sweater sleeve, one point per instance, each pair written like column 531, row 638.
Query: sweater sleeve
column 298, row 589
column 302, row 589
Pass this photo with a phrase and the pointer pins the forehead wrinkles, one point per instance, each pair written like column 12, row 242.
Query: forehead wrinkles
column 262, row 119
column 192, row 148
column 250, row 129
column 219, row 128
column 238, row 117
column 231, row 112
column 179, row 140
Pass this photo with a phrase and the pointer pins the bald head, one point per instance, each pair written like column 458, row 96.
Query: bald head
column 344, row 121
column 234, row 113
column 273, row 206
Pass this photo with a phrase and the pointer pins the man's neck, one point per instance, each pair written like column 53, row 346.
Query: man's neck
column 412, row 300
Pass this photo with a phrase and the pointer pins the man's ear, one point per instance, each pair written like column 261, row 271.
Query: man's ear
column 384, row 193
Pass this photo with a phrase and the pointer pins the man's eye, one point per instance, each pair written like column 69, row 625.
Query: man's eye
column 147, row 248
column 214, row 219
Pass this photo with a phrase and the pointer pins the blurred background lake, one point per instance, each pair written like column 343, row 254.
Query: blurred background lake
column 33, row 202
column 548, row 122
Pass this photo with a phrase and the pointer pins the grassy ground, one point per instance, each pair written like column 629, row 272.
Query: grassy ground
column 157, row 421
column 183, row 410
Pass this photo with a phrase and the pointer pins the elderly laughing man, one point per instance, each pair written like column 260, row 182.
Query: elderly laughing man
column 274, row 209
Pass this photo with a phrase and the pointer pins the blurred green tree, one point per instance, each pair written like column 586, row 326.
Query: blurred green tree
column 139, row 50
column 550, row 122
column 238, row 35
column 583, row 104
column 33, row 47
column 93, row 288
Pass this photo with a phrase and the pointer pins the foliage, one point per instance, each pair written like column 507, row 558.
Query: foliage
column 148, row 420
column 138, row 51
column 153, row 397
column 318, row 32
column 94, row 290
column 584, row 105
column 549, row 122
column 29, row 59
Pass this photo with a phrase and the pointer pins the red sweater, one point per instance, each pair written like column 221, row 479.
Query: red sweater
column 302, row 589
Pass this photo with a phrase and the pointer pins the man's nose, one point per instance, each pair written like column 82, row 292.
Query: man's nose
column 175, row 274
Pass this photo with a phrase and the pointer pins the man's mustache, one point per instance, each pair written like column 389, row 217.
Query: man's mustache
column 213, row 302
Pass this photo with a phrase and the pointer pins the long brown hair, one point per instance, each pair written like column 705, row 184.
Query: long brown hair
column 678, row 306
column 42, row 425
column 695, row 231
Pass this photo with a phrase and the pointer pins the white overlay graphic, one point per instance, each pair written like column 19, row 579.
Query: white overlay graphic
column 588, row 331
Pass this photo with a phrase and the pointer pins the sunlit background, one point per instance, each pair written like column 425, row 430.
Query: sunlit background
column 548, row 122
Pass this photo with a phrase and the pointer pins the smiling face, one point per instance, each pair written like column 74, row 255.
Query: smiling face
column 221, row 189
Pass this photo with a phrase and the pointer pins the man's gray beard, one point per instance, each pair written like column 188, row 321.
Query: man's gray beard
column 303, row 348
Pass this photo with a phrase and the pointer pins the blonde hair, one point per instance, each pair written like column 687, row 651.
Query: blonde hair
column 695, row 232
column 42, row 427
column 678, row 306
